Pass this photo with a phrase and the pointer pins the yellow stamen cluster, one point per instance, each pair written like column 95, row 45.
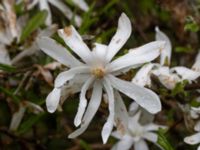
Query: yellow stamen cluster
column 98, row 72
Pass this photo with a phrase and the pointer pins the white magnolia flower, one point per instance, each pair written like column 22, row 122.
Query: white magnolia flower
column 130, row 132
column 97, row 71
column 18, row 116
column 195, row 138
column 167, row 76
column 59, row 4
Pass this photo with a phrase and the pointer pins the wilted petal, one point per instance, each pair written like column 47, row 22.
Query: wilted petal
column 143, row 54
column 83, row 102
column 45, row 6
column 144, row 97
column 108, row 126
column 66, row 11
column 91, row 110
column 124, row 144
column 81, row 4
column 65, row 76
column 57, row 51
column 75, row 42
column 194, row 139
column 121, row 36
column 152, row 137
column 165, row 55
column 34, row 107
column 142, row 77
column 53, row 99
column 197, row 126
column 4, row 56
column 141, row 145
column 196, row 65
column 186, row 74
column 17, row 118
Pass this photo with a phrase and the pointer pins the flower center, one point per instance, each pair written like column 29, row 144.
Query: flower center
column 98, row 72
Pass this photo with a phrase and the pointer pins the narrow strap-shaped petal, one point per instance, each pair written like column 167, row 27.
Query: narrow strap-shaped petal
column 57, row 51
column 81, row 4
column 141, row 145
column 143, row 54
column 75, row 42
column 65, row 76
column 99, row 52
column 45, row 6
column 197, row 126
column 153, row 127
column 193, row 139
column 196, row 65
column 121, row 114
column 4, row 56
column 142, row 77
column 124, row 144
column 165, row 56
column 83, row 102
column 124, row 30
column 66, row 11
column 150, row 136
column 17, row 118
column 53, row 99
column 186, row 73
column 108, row 126
column 144, row 97
column 91, row 110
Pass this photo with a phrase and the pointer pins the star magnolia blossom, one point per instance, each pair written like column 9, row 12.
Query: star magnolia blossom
column 98, row 72
column 167, row 76
column 130, row 131
column 59, row 4
column 195, row 138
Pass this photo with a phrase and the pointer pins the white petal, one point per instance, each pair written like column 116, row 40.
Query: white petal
column 144, row 97
column 34, row 107
column 66, row 11
column 141, row 145
column 83, row 102
column 121, row 36
column 91, row 110
column 197, row 126
column 124, row 144
column 32, row 4
column 48, row 31
column 186, row 74
column 121, row 114
column 45, row 6
column 99, row 52
column 142, row 77
column 53, row 99
column 192, row 140
column 117, row 135
column 143, row 54
column 152, row 137
column 133, row 108
column 17, row 118
column 57, row 51
column 198, row 148
column 196, row 65
column 65, row 76
column 4, row 56
column 108, row 126
column 166, row 52
column 153, row 127
column 75, row 42
column 81, row 4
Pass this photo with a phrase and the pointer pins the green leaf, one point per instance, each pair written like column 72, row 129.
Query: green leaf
column 179, row 88
column 10, row 94
column 33, row 24
column 27, row 124
column 7, row 68
column 84, row 145
column 162, row 140
column 191, row 25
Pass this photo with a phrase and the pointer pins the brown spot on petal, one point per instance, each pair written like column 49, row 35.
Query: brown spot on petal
column 120, row 126
column 68, row 31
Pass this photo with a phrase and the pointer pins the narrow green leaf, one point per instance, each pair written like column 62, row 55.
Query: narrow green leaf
column 33, row 24
column 10, row 94
column 7, row 68
column 84, row 145
column 162, row 140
